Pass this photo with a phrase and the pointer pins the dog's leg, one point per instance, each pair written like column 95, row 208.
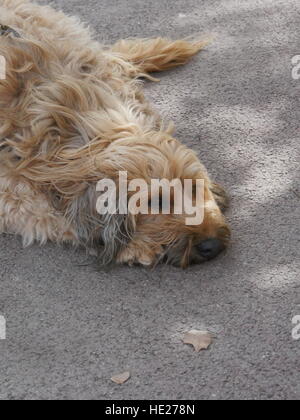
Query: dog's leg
column 158, row 54
column 27, row 213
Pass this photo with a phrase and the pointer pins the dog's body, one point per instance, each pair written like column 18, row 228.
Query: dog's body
column 72, row 112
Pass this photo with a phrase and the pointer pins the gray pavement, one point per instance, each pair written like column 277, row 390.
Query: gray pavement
column 70, row 327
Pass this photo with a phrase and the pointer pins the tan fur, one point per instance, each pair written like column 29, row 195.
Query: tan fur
column 72, row 112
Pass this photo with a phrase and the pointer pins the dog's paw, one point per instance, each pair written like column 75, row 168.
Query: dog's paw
column 137, row 254
column 221, row 196
column 131, row 256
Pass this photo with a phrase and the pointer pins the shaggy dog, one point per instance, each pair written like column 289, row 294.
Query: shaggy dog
column 72, row 112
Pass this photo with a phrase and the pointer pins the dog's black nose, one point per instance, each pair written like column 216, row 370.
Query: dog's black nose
column 210, row 248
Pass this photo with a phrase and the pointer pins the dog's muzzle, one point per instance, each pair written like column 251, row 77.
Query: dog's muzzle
column 6, row 31
column 210, row 248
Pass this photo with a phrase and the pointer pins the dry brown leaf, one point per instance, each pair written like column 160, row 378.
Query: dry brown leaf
column 201, row 340
column 121, row 378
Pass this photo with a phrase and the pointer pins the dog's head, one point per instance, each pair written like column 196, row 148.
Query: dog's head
column 164, row 235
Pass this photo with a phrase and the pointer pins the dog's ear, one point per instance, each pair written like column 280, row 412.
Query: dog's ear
column 220, row 196
column 107, row 233
column 116, row 233
column 80, row 210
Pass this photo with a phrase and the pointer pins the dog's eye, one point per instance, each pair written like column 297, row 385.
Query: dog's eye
column 85, row 69
column 56, row 200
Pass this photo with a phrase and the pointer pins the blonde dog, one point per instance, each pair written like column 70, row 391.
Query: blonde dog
column 72, row 112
